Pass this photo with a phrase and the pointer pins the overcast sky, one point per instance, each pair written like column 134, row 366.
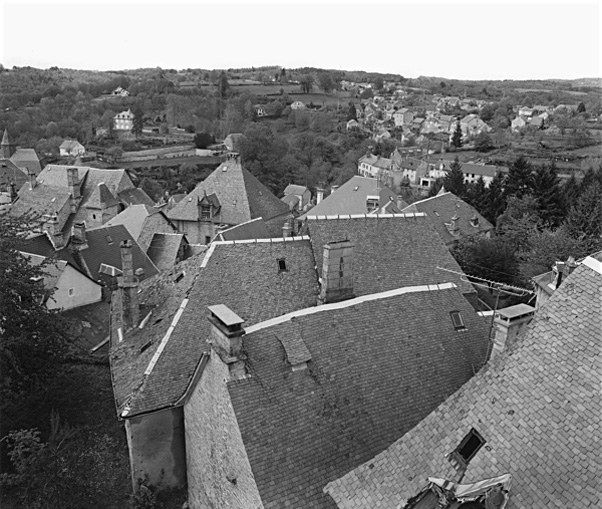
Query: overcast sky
column 468, row 40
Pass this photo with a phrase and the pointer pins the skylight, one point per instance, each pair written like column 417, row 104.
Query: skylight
column 457, row 320
column 282, row 265
column 468, row 448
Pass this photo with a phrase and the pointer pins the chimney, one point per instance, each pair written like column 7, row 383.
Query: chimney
column 399, row 202
column 226, row 337
column 507, row 324
column 50, row 223
column 78, row 236
column 12, row 192
column 337, row 272
column 128, row 284
column 319, row 194
column 73, row 183
column 32, row 181
column 333, row 188
column 287, row 229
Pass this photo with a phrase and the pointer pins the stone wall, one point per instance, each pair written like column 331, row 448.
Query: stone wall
column 219, row 473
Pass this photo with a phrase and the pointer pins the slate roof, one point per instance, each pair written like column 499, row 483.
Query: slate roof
column 27, row 160
column 10, row 172
column 254, row 229
column 295, row 189
column 442, row 208
column 241, row 196
column 101, row 197
column 135, row 196
column 40, row 200
column 538, row 408
column 52, row 271
column 372, row 377
column 234, row 274
column 70, row 144
column 351, row 197
column 133, row 218
column 164, row 248
column 390, row 251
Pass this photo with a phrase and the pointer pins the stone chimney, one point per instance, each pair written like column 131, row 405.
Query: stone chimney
column 50, row 223
column 287, row 229
column 128, row 285
column 319, row 194
column 333, row 188
column 562, row 270
column 226, row 337
column 12, row 192
column 337, row 272
column 508, row 323
column 32, row 181
column 73, row 183
column 78, row 236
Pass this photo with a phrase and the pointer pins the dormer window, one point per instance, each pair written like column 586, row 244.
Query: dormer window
column 282, row 265
column 457, row 320
column 205, row 211
column 467, row 449
column 474, row 221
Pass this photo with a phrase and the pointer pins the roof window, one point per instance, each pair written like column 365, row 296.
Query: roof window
column 457, row 320
column 467, row 449
column 282, row 265
column 109, row 239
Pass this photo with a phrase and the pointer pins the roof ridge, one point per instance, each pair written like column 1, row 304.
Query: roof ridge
column 367, row 216
column 348, row 303
column 436, row 196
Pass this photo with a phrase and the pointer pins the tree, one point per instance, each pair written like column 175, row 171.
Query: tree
column 482, row 142
column 519, row 180
column 223, row 85
column 203, row 140
column 138, row 120
column 379, row 83
column 548, row 194
column 519, row 222
column 457, row 136
column 495, row 201
column 476, row 195
column 326, row 82
column 307, row 83
column 585, row 217
column 351, row 112
column 454, row 179
column 581, row 107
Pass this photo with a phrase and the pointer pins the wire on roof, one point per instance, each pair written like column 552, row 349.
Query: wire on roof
column 497, row 284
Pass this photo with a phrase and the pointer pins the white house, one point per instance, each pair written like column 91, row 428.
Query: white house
column 66, row 287
column 71, row 148
column 298, row 105
column 124, row 121
column 121, row 92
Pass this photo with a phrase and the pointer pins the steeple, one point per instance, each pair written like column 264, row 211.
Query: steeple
column 8, row 148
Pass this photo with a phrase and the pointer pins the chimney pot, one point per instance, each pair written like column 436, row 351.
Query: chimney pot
column 78, row 232
column 319, row 195
column 508, row 323
column 226, row 333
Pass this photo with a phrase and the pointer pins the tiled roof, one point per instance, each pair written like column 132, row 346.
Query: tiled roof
column 294, row 189
column 135, row 196
column 241, row 196
column 133, row 218
column 101, row 197
column 537, row 407
column 27, row 159
column 164, row 248
column 40, row 200
column 70, row 144
column 10, row 172
column 377, row 368
column 104, row 247
column 254, row 229
column 442, row 208
column 234, row 274
column 390, row 251
column 351, row 198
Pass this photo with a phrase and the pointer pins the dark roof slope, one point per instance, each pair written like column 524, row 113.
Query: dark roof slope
column 136, row 196
column 235, row 274
column 11, row 173
column 164, row 248
column 254, row 229
column 391, row 251
column 538, row 407
column 241, row 196
column 446, row 206
column 351, row 198
column 375, row 372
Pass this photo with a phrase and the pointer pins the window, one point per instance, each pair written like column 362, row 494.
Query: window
column 71, row 292
column 109, row 239
column 456, row 318
column 282, row 265
column 207, row 239
column 205, row 212
column 467, row 449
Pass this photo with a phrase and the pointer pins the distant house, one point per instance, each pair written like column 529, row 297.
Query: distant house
column 539, row 121
column 518, row 124
column 66, row 286
column 232, row 142
column 471, row 126
column 121, row 92
column 25, row 159
column 229, row 196
column 525, row 111
column 260, row 111
column 297, row 105
column 370, row 165
column 124, row 121
column 352, row 125
column 72, row 148
column 452, row 217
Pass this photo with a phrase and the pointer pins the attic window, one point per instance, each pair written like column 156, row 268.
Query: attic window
column 282, row 265
column 109, row 239
column 474, row 221
column 356, row 188
column 179, row 278
column 456, row 318
column 467, row 449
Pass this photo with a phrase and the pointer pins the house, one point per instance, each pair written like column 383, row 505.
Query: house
column 297, row 105
column 71, row 148
column 67, row 287
column 260, row 111
column 452, row 217
column 474, row 171
column 229, row 196
column 124, row 121
column 352, row 125
column 525, row 111
column 403, row 117
column 547, row 283
column 297, row 197
column 172, row 386
column 232, row 142
column 533, row 414
column 359, row 195
column 121, row 92
column 253, row 229
column 25, row 159
column 406, row 167
column 539, row 121
column 471, row 126
column 517, row 124
column 370, row 165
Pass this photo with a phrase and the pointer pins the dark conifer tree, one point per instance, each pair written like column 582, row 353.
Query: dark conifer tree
column 457, row 136
column 519, row 180
column 454, row 180
column 548, row 194
column 496, row 199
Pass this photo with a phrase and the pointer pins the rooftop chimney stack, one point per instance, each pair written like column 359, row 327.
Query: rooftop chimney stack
column 319, row 195
column 128, row 284
column 226, row 337
column 12, row 192
column 508, row 323
column 337, row 272
column 287, row 229
column 73, row 183
column 78, row 236
column 32, row 181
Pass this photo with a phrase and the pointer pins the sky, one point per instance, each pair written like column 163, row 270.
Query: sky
column 509, row 39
